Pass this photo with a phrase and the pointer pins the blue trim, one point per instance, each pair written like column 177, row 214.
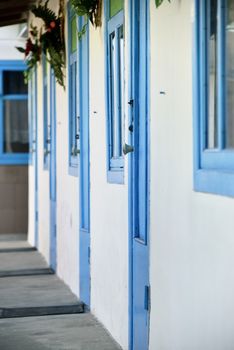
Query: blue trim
column 36, row 161
column 15, row 97
column 53, row 175
column 115, row 176
column 115, row 166
column 34, row 145
column 213, row 168
column 14, row 159
column 73, row 170
column 10, row 158
column 83, row 67
column 14, row 65
column 139, row 177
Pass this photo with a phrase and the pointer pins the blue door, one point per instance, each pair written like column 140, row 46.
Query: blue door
column 52, row 140
column 83, row 111
column 139, row 177
column 33, row 146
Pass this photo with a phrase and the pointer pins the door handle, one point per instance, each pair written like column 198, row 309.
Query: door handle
column 127, row 149
column 75, row 151
column 46, row 152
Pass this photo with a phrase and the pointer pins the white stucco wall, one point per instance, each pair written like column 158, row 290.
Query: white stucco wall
column 191, row 236
column 43, row 177
column 109, row 210
column 67, row 197
column 67, row 192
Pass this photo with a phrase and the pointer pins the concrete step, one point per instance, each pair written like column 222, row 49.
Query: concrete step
column 17, row 250
column 28, row 287
column 36, row 295
column 26, row 272
column 14, row 261
column 41, row 310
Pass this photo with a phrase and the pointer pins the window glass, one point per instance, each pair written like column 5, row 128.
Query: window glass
column 15, row 126
column 115, row 7
column 116, row 82
column 230, row 74
column 121, row 64
column 212, row 79
column 13, row 83
column 73, row 35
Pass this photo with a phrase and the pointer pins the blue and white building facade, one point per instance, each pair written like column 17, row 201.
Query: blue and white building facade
column 131, row 179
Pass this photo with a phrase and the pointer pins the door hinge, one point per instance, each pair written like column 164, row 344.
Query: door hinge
column 147, row 298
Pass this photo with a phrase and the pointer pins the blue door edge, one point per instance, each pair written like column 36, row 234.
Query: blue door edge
column 132, row 93
column 53, row 203
column 83, row 108
column 35, row 116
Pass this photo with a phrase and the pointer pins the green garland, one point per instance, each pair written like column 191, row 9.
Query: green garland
column 49, row 40
column 91, row 9
column 159, row 2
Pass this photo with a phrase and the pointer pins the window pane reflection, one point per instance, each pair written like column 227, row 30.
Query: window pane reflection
column 15, row 126
column 117, row 90
column 13, row 83
column 212, row 64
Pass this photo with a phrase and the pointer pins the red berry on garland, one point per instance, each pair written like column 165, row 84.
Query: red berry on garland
column 29, row 46
column 52, row 24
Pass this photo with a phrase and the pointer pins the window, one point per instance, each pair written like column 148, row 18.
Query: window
column 74, row 121
column 115, row 89
column 46, row 126
column 14, row 138
column 214, row 97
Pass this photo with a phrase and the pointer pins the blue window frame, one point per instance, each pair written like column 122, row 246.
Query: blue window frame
column 46, row 126
column 74, row 120
column 214, row 97
column 115, row 89
column 14, row 135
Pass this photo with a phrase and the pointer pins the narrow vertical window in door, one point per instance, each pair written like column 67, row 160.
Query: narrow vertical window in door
column 115, row 89
column 139, row 177
column 74, row 118
column 46, row 129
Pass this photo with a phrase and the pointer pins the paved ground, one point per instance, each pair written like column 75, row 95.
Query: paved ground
column 64, row 332
column 30, row 291
column 15, row 237
column 21, row 261
column 63, row 325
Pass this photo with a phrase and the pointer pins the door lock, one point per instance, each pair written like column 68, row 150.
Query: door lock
column 130, row 128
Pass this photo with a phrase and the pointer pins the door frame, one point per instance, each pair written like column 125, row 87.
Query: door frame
column 133, row 82
column 84, row 200
column 33, row 159
column 52, row 163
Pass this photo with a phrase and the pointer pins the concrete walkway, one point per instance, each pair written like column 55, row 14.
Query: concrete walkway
column 37, row 310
